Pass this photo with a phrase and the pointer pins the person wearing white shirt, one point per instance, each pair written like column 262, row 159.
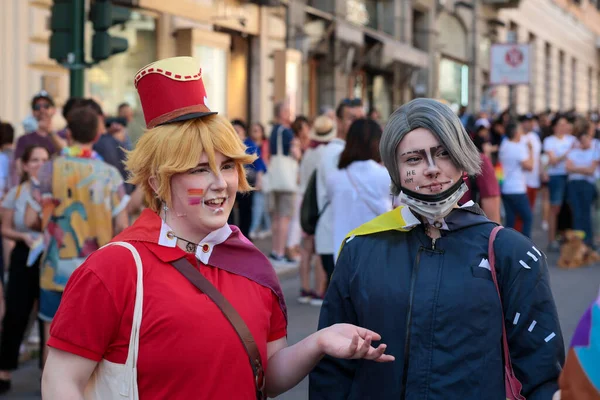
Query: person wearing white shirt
column 581, row 166
column 348, row 111
column 323, row 132
column 516, row 158
column 532, row 178
column 557, row 146
column 360, row 188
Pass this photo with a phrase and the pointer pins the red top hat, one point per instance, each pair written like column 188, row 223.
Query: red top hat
column 171, row 90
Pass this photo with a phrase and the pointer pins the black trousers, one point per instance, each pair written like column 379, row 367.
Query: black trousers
column 244, row 201
column 328, row 265
column 22, row 290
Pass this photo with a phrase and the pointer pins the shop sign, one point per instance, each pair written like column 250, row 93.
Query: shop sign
column 510, row 64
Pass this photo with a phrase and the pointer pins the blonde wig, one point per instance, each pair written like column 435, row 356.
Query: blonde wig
column 176, row 148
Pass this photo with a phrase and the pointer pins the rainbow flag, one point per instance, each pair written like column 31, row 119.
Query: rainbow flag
column 499, row 172
column 580, row 378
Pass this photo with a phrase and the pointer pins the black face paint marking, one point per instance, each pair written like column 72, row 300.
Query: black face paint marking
column 434, row 149
column 411, row 173
column 425, row 155
column 408, row 180
column 412, row 152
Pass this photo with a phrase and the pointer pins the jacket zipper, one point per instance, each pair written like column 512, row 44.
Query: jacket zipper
column 411, row 295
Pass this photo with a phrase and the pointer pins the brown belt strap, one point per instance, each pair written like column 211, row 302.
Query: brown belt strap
column 201, row 283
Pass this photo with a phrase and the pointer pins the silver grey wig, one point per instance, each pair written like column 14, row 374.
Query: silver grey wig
column 440, row 120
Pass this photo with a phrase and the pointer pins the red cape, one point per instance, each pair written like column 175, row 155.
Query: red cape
column 236, row 255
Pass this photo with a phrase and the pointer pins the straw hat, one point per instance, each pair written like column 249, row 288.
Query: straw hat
column 323, row 129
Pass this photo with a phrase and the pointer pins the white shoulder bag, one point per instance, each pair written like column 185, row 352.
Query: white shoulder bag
column 283, row 170
column 111, row 381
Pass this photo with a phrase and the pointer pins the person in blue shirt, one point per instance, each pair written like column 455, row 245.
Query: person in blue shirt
column 261, row 220
column 421, row 276
column 244, row 201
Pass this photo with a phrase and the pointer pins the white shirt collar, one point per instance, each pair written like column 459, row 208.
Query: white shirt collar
column 204, row 249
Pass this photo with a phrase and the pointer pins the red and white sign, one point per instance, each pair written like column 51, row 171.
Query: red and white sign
column 510, row 64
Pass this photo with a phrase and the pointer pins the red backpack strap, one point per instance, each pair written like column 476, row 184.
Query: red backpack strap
column 512, row 384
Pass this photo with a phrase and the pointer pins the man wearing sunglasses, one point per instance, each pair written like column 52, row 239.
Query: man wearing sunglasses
column 42, row 108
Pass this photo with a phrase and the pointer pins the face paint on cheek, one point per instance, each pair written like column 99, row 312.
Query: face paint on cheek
column 195, row 196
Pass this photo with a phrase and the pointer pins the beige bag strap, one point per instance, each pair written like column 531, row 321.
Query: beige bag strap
column 129, row 375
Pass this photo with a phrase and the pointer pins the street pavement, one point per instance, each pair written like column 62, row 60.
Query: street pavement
column 574, row 290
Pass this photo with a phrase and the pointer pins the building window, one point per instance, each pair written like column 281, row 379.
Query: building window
column 548, row 76
column 111, row 81
column 454, row 83
column 381, row 14
column 214, row 74
column 574, row 84
column 376, row 14
column 323, row 5
column 561, row 80
column 420, row 30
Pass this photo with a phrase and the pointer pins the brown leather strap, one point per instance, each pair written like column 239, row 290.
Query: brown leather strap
column 201, row 283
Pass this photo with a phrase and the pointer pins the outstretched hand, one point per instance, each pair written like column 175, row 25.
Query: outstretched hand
column 352, row 342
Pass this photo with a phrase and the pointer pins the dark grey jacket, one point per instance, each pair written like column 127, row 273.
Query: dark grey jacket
column 438, row 311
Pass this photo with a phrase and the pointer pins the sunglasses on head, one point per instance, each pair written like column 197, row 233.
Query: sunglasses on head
column 38, row 107
column 352, row 102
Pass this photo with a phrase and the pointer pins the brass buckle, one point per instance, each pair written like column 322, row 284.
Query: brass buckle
column 259, row 377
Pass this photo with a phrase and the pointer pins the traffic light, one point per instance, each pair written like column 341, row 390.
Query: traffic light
column 61, row 24
column 104, row 15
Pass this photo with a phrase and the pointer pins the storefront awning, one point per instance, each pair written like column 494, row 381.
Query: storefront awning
column 396, row 51
column 349, row 33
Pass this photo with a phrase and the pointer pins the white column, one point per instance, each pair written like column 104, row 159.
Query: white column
column 554, row 78
column 15, row 82
column 473, row 54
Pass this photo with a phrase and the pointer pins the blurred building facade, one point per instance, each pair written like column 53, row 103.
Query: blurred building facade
column 314, row 53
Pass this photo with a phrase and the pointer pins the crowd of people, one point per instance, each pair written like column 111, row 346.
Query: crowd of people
column 551, row 159
column 394, row 209
column 63, row 197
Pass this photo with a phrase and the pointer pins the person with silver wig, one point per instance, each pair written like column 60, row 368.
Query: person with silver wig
column 435, row 120
column 423, row 276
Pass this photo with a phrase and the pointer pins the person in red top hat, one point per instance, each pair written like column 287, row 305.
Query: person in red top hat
column 190, row 164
